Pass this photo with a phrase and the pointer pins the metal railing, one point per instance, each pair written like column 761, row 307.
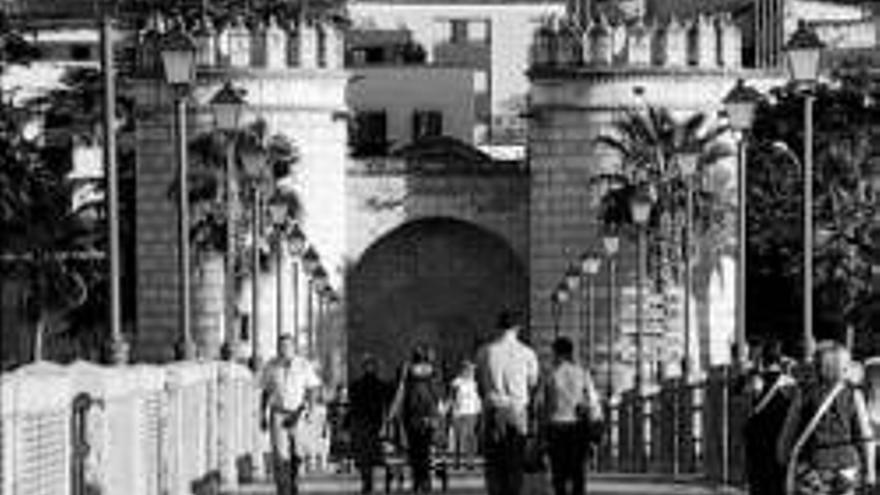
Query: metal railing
column 139, row 430
column 679, row 429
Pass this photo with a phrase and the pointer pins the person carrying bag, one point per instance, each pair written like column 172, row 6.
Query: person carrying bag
column 828, row 422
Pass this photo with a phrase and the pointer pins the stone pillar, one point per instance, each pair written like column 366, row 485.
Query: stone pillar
column 308, row 45
column 239, row 45
column 275, row 43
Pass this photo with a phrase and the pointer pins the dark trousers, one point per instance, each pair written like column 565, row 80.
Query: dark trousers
column 419, row 438
column 568, row 456
column 285, row 463
column 504, row 448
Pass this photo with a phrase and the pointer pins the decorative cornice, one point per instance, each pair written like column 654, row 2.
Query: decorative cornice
column 562, row 74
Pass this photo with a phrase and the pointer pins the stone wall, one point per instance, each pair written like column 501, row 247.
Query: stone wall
column 301, row 104
column 570, row 109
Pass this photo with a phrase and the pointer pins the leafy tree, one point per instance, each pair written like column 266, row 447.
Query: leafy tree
column 845, row 214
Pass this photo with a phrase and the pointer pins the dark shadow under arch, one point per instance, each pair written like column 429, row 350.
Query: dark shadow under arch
column 437, row 281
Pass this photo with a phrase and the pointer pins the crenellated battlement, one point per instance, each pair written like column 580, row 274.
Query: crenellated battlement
column 704, row 42
column 241, row 43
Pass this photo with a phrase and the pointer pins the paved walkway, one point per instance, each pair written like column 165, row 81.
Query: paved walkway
column 471, row 484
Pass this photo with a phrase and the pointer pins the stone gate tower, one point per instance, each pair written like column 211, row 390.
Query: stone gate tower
column 294, row 78
column 582, row 80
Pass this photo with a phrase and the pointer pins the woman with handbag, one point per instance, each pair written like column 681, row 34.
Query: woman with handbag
column 417, row 404
column 825, row 440
column 570, row 406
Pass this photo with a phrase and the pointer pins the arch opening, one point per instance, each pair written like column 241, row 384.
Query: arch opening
column 437, row 281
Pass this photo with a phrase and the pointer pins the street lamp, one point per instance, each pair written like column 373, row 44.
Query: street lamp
column 804, row 53
column 741, row 103
column 278, row 214
column 178, row 59
column 316, row 284
column 591, row 262
column 253, row 158
column 687, row 163
column 640, row 209
column 559, row 297
column 119, row 348
column 297, row 244
column 611, row 243
column 227, row 106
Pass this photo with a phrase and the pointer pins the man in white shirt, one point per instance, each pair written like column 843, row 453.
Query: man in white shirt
column 507, row 374
column 288, row 383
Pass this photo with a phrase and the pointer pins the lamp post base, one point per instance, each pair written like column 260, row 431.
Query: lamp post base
column 119, row 351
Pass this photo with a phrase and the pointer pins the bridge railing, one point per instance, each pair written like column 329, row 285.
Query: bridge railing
column 679, row 428
column 139, row 430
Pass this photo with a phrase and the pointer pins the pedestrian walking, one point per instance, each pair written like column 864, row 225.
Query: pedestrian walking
column 369, row 397
column 825, row 440
column 772, row 390
column 417, row 404
column 570, row 405
column 465, row 413
column 507, row 376
column 288, row 384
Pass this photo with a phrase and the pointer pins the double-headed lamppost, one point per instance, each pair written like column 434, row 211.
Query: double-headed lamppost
column 687, row 163
column 591, row 262
column 740, row 105
column 640, row 209
column 227, row 106
column 572, row 281
column 297, row 247
column 804, row 53
column 311, row 261
column 611, row 243
column 178, row 59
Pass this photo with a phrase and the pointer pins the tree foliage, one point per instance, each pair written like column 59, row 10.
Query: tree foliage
column 845, row 213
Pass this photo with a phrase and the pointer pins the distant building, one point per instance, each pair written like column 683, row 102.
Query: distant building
column 487, row 36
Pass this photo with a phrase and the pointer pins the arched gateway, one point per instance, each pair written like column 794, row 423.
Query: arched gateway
column 437, row 281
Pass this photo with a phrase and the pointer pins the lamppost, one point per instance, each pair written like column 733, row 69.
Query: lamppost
column 311, row 261
column 297, row 247
column 611, row 243
column 278, row 214
column 254, row 157
column 317, row 284
column 640, row 208
column 687, row 163
column 559, row 297
column 804, row 53
column 591, row 262
column 740, row 104
column 178, row 59
column 572, row 281
column 119, row 348
column 227, row 106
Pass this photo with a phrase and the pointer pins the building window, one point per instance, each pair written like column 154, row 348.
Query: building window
column 426, row 124
column 369, row 136
column 80, row 53
column 459, row 30
column 322, row 47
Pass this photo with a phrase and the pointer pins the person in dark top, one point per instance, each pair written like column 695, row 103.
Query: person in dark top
column 772, row 390
column 825, row 440
column 368, row 398
column 417, row 404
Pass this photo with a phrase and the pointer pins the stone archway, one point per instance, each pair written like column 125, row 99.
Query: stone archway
column 436, row 281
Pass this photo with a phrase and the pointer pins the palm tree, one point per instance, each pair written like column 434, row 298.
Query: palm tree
column 650, row 144
column 260, row 161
